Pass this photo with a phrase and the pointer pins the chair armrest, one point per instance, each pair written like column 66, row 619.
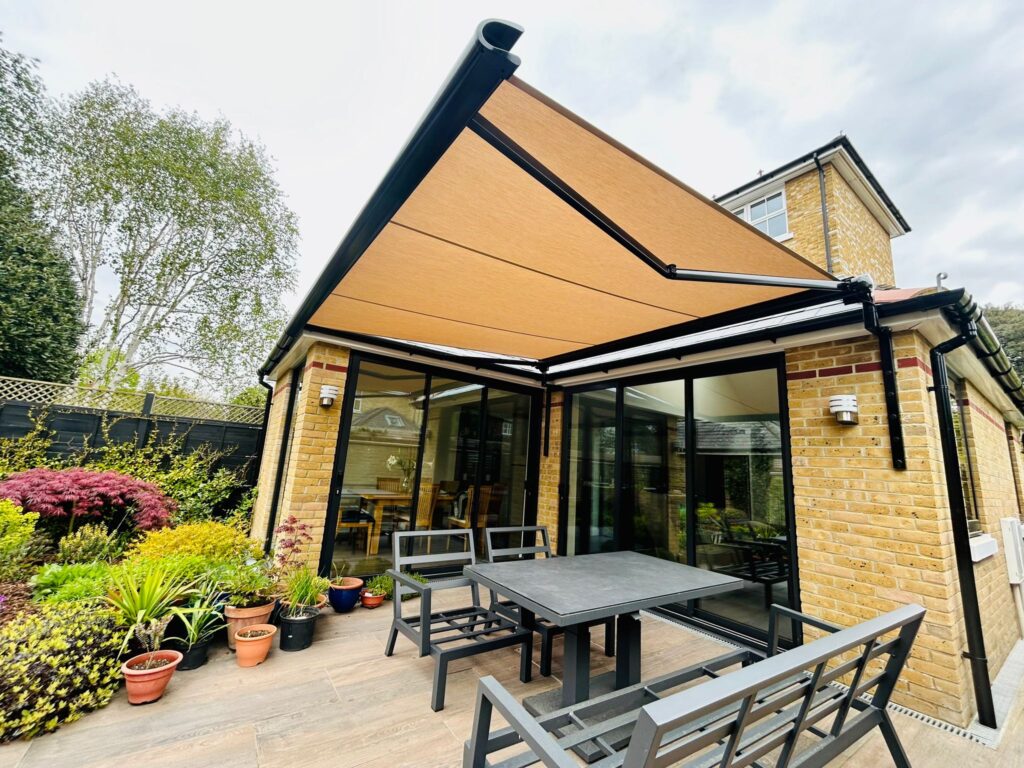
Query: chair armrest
column 525, row 726
column 775, row 611
column 407, row 581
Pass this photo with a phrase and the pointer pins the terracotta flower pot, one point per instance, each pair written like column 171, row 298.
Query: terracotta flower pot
column 371, row 601
column 239, row 618
column 345, row 595
column 250, row 651
column 146, row 685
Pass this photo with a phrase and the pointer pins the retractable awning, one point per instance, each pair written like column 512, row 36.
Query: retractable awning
column 510, row 226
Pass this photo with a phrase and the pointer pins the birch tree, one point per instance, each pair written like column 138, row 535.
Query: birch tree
column 178, row 235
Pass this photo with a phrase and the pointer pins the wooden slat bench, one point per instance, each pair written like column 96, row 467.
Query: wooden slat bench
column 785, row 710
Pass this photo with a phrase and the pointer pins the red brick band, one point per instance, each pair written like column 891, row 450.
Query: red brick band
column 843, row 370
column 327, row 366
column 975, row 408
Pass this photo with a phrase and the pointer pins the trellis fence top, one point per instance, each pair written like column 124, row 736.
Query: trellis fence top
column 143, row 403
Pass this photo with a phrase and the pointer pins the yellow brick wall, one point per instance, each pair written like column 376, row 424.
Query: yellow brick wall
column 314, row 438
column 871, row 538
column 550, row 468
column 860, row 245
column 1017, row 464
column 997, row 498
column 269, row 459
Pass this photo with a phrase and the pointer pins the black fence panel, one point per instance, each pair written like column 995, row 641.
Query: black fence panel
column 72, row 428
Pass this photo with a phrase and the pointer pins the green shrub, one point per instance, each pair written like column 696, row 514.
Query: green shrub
column 90, row 542
column 303, row 589
column 143, row 598
column 16, row 537
column 216, row 542
column 385, row 585
column 57, row 665
column 60, row 583
column 248, row 585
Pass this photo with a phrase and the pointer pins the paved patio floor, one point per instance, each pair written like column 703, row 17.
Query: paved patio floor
column 343, row 704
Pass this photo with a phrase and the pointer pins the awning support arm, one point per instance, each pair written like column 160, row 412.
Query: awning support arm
column 887, row 360
column 486, row 130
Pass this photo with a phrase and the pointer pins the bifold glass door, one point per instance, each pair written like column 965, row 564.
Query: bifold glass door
column 690, row 469
column 425, row 450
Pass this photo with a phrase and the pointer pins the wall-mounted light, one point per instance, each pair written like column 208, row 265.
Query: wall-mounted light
column 328, row 394
column 844, row 408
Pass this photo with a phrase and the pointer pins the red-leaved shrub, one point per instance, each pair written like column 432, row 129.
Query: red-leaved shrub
column 79, row 495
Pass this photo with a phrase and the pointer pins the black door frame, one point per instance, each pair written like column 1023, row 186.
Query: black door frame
column 356, row 358
column 688, row 374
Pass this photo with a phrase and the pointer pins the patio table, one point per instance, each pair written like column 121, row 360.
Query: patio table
column 574, row 591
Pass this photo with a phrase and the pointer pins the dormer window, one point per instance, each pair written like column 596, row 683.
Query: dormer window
column 767, row 214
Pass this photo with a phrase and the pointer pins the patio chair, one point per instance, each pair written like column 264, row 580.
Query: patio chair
column 798, row 709
column 452, row 633
column 507, row 608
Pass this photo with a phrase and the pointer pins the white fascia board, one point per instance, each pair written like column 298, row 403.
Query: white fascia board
column 848, row 331
column 842, row 162
column 304, row 342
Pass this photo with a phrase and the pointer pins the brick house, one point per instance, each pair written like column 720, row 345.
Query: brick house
column 497, row 342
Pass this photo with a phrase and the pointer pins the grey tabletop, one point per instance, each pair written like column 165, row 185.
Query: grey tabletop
column 571, row 590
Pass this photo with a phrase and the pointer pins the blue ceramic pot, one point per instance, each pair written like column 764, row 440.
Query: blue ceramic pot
column 343, row 597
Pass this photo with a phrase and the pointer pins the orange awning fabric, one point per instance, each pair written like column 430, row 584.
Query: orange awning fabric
column 472, row 247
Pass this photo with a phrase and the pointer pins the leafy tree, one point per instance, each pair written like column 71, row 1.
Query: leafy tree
column 253, row 396
column 21, row 103
column 1008, row 323
column 186, row 216
column 39, row 303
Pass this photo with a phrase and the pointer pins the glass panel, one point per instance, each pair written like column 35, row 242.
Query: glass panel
column 757, row 210
column 502, row 492
column 777, row 225
column 450, row 456
column 774, row 203
column 739, row 212
column 655, row 468
column 763, row 226
column 380, row 467
column 741, row 510
column 592, row 473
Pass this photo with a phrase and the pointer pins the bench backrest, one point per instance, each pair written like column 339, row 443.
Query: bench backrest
column 520, row 541
column 738, row 718
column 459, row 540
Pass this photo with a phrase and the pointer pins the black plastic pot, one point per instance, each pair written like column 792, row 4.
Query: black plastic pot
column 297, row 631
column 195, row 657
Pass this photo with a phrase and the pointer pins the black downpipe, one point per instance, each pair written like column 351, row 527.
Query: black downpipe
column 824, row 214
column 961, row 534
column 887, row 360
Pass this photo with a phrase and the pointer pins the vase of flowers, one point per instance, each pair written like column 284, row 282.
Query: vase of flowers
column 407, row 467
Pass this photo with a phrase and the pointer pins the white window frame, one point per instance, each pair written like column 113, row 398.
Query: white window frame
column 357, row 405
column 389, row 418
column 743, row 212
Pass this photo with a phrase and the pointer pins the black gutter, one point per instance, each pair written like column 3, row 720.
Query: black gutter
column 262, row 439
column 989, row 350
column 916, row 304
column 839, row 142
column 824, row 213
column 504, row 144
column 961, row 532
column 484, row 65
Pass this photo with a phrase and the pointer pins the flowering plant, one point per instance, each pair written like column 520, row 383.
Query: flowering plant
column 292, row 540
column 78, row 494
column 408, row 467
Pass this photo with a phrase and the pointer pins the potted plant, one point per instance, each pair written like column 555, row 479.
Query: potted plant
column 144, row 602
column 250, row 600
column 343, row 592
column 303, row 591
column 376, row 590
column 201, row 619
column 252, row 644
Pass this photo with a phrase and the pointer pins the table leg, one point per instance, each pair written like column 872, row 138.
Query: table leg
column 378, row 516
column 627, row 650
column 576, row 673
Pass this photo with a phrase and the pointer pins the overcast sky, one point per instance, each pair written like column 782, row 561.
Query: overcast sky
column 932, row 94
